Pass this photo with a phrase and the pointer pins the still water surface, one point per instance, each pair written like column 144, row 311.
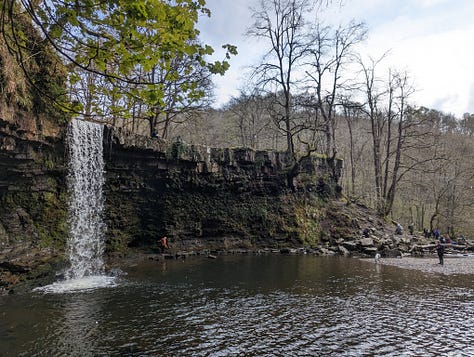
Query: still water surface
column 246, row 305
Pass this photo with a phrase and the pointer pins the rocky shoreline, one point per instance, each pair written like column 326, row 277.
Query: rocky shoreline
column 23, row 267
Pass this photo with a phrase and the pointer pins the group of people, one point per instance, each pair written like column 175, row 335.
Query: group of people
column 440, row 240
column 433, row 233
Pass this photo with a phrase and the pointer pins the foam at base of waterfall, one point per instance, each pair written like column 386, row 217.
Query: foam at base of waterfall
column 79, row 284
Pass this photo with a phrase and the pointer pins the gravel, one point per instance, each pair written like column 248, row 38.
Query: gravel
column 453, row 264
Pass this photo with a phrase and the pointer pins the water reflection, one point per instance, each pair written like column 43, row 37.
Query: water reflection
column 77, row 331
column 252, row 306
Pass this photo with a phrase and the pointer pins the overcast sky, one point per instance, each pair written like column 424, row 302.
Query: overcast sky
column 433, row 40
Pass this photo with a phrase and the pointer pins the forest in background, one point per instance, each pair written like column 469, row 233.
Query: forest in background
column 139, row 65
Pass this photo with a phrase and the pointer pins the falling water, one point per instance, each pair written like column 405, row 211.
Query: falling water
column 85, row 245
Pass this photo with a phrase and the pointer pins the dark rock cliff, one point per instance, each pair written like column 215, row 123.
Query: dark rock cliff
column 207, row 198
column 32, row 186
column 33, row 197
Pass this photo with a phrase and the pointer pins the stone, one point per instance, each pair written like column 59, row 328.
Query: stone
column 351, row 245
column 370, row 250
column 366, row 242
column 344, row 251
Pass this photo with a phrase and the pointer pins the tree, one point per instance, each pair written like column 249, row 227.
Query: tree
column 253, row 121
column 330, row 51
column 352, row 112
column 448, row 177
column 186, row 87
column 115, row 40
column 372, row 96
column 399, row 91
column 393, row 130
column 281, row 24
column 36, row 63
column 467, row 124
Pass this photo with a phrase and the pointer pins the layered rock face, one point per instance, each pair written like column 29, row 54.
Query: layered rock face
column 206, row 198
column 32, row 183
column 33, row 198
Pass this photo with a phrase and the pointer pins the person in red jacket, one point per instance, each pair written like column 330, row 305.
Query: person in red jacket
column 163, row 244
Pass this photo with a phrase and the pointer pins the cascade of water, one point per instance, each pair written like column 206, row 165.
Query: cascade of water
column 85, row 244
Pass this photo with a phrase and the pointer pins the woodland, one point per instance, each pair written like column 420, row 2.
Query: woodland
column 140, row 66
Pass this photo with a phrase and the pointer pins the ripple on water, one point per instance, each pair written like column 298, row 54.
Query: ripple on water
column 353, row 310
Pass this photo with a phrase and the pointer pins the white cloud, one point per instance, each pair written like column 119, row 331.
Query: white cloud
column 432, row 39
column 437, row 57
column 429, row 3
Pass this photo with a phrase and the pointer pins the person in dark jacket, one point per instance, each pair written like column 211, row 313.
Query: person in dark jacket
column 440, row 250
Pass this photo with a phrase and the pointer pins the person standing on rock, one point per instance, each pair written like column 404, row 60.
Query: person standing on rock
column 399, row 229
column 440, row 250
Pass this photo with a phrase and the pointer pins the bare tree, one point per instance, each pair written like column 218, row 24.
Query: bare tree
column 184, row 87
column 393, row 132
column 373, row 95
column 253, row 120
column 352, row 111
column 450, row 182
column 399, row 92
column 331, row 50
column 281, row 24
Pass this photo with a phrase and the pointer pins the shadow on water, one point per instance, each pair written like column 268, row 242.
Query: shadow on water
column 249, row 305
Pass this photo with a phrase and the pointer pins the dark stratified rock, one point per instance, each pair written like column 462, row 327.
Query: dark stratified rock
column 209, row 198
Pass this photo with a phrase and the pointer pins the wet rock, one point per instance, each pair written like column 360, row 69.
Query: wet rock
column 355, row 223
column 325, row 251
column 391, row 253
column 405, row 240
column 344, row 251
column 14, row 268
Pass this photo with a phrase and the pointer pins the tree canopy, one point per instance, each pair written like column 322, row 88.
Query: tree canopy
column 118, row 41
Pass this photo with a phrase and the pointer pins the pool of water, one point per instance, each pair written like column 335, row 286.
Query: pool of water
column 248, row 305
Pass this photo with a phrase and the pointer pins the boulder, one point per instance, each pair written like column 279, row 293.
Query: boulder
column 366, row 242
column 344, row 251
column 350, row 245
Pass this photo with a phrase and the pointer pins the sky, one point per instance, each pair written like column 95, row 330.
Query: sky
column 432, row 40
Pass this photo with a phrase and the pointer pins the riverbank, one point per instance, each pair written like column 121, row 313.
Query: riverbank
column 453, row 264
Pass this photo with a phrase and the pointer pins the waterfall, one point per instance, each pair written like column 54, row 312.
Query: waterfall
column 85, row 244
